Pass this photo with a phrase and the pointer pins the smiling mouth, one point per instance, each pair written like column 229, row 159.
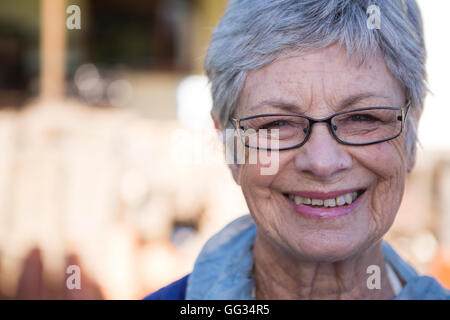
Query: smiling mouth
column 340, row 201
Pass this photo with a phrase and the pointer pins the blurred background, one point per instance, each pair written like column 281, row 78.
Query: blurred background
column 108, row 158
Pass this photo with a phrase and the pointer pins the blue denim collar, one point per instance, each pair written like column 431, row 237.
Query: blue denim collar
column 223, row 269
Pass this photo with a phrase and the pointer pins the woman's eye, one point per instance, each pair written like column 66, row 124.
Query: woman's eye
column 363, row 117
column 274, row 124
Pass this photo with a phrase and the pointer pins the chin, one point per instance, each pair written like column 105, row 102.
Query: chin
column 330, row 250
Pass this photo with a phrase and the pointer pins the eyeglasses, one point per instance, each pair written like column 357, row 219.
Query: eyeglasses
column 357, row 127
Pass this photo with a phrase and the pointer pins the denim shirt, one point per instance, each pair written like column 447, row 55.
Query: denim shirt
column 223, row 269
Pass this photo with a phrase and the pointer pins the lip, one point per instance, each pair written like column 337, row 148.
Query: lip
column 326, row 213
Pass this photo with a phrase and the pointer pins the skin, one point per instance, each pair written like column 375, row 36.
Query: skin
column 300, row 258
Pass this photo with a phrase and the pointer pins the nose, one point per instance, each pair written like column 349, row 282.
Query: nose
column 322, row 156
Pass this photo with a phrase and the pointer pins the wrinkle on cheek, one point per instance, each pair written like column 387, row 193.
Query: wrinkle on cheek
column 384, row 205
column 390, row 186
column 264, row 204
column 255, row 187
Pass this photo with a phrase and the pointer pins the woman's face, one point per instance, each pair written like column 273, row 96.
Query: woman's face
column 316, row 84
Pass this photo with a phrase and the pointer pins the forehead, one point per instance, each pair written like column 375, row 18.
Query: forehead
column 324, row 77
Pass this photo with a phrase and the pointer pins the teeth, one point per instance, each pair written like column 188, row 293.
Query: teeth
column 342, row 200
column 348, row 198
column 332, row 203
column 298, row 200
column 329, row 203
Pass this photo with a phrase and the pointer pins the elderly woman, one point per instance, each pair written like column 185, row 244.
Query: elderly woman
column 334, row 89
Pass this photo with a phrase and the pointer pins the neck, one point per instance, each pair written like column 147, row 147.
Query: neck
column 280, row 275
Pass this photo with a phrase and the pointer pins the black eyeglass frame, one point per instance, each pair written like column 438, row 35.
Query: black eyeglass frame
column 236, row 124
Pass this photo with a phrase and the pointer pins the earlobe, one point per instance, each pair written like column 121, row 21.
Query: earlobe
column 411, row 161
column 216, row 122
column 235, row 171
column 411, row 165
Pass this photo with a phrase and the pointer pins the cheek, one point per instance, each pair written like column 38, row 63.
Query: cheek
column 257, row 187
column 261, row 168
column 253, row 182
column 388, row 164
column 385, row 160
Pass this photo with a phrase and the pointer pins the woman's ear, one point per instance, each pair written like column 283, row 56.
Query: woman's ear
column 216, row 122
column 412, row 148
column 234, row 168
column 411, row 161
column 235, row 172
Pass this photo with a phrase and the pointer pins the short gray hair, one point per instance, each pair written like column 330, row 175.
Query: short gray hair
column 253, row 33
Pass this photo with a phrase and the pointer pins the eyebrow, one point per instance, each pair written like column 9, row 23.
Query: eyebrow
column 290, row 107
column 354, row 99
column 277, row 104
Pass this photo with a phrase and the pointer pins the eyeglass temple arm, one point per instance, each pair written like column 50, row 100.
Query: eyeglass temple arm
column 407, row 106
column 234, row 122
